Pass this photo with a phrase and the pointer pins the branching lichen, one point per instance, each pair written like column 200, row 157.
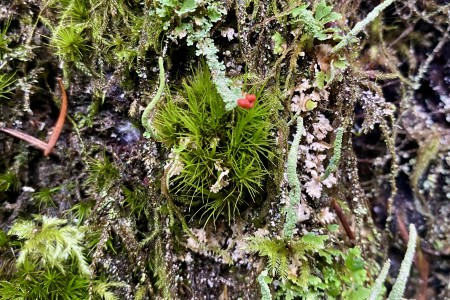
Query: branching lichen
column 265, row 290
column 146, row 121
column 334, row 162
column 378, row 286
column 361, row 25
column 295, row 192
column 400, row 283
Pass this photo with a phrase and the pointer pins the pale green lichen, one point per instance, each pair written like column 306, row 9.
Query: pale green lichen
column 334, row 162
column 265, row 290
column 400, row 283
column 295, row 192
column 378, row 286
column 146, row 121
column 361, row 25
column 229, row 92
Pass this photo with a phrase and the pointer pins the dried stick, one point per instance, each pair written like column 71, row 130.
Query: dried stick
column 26, row 137
column 343, row 220
column 60, row 123
column 46, row 147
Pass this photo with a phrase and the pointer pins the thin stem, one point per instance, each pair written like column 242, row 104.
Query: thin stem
column 337, row 208
column 60, row 123
column 46, row 147
column 26, row 137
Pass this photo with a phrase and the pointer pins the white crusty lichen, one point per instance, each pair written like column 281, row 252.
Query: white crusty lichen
column 313, row 155
column 174, row 165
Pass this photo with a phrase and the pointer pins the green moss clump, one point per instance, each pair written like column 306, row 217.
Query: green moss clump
column 51, row 262
column 218, row 158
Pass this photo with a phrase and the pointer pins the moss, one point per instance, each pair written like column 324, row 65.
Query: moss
column 102, row 174
column 9, row 182
column 51, row 262
column 218, row 158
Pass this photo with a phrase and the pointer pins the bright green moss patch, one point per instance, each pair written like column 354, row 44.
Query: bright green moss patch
column 218, row 158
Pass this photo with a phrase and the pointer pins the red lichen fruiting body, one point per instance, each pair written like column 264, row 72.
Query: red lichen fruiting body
column 244, row 103
column 250, row 97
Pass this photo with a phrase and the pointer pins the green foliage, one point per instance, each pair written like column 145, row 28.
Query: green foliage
column 279, row 43
column 70, row 42
column 81, row 211
column 5, row 85
column 50, row 243
column 44, row 197
column 194, row 20
column 314, row 32
column 34, row 282
column 218, row 158
column 9, row 182
column 115, row 29
column 7, row 263
column 310, row 268
column 4, row 40
column 76, row 11
column 102, row 174
column 313, row 24
column 136, row 199
column 51, row 263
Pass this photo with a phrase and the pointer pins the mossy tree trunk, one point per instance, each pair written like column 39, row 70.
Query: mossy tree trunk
column 372, row 153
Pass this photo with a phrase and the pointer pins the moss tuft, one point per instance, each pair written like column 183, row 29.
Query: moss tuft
column 218, row 158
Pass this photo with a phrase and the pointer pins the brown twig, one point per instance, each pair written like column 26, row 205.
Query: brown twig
column 26, row 137
column 337, row 208
column 46, row 147
column 60, row 123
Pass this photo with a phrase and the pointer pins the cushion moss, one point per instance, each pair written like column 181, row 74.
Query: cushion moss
column 222, row 155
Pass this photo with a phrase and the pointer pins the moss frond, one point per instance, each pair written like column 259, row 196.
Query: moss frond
column 80, row 211
column 4, row 40
column 44, row 197
column 50, row 241
column 6, row 82
column 9, row 182
column 136, row 199
column 102, row 174
column 70, row 42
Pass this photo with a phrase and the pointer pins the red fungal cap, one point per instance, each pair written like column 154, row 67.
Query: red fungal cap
column 245, row 103
column 250, row 97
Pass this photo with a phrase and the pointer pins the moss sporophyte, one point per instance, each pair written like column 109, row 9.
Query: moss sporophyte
column 218, row 158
